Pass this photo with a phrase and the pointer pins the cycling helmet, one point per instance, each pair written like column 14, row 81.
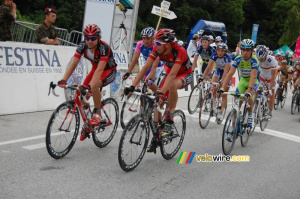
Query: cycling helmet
column 247, row 43
column 261, row 51
column 148, row 32
column 92, row 30
column 165, row 34
column 270, row 52
column 205, row 37
column 284, row 62
column 222, row 46
column 218, row 38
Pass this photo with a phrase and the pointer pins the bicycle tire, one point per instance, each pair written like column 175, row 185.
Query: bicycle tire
column 293, row 104
column 195, row 99
column 277, row 99
column 256, row 116
column 63, row 112
column 171, row 144
column 246, row 131
column 104, row 133
column 283, row 98
column 206, row 103
column 128, row 110
column 132, row 134
column 230, row 117
column 264, row 112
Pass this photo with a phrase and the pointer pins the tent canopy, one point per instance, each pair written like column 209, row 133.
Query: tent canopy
column 204, row 27
column 282, row 50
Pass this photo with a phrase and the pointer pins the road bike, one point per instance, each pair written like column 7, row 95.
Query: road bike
column 211, row 105
column 236, row 124
column 135, row 137
column 64, row 124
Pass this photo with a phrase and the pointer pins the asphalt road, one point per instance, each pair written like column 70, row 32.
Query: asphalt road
column 27, row 171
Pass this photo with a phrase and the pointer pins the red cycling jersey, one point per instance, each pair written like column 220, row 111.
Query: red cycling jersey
column 102, row 53
column 177, row 55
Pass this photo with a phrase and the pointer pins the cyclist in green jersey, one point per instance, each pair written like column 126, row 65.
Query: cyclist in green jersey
column 247, row 64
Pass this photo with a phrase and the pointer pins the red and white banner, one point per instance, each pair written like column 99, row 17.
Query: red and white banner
column 297, row 49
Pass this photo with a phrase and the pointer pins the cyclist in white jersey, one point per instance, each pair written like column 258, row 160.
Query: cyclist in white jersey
column 268, row 65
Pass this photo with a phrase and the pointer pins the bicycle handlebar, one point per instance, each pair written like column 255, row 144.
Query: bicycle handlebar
column 149, row 96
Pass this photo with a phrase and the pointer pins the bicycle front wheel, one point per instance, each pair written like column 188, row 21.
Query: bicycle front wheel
column 62, row 130
column 293, row 104
column 206, row 110
column 264, row 115
column 130, row 109
column 133, row 143
column 277, row 98
column 256, row 116
column 283, row 98
column 245, row 130
column 171, row 144
column 229, row 132
column 104, row 133
column 195, row 99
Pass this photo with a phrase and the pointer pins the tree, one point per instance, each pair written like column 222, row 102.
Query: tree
column 291, row 27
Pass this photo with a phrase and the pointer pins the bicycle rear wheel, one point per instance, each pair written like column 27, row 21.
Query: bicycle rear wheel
column 62, row 130
column 130, row 109
column 205, row 112
column 229, row 129
column 104, row 133
column 264, row 115
column 171, row 144
column 195, row 99
column 133, row 143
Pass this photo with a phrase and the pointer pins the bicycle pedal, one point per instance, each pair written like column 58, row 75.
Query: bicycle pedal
column 103, row 121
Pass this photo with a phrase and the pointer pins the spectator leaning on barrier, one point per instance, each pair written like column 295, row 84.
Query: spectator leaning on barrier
column 7, row 17
column 192, row 48
column 45, row 32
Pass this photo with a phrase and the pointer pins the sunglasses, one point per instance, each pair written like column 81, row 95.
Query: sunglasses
column 246, row 49
column 90, row 38
column 159, row 43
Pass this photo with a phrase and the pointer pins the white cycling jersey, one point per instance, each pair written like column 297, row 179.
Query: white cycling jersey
column 266, row 67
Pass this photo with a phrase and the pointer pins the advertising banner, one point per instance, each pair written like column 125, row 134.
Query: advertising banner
column 297, row 49
column 100, row 12
column 254, row 32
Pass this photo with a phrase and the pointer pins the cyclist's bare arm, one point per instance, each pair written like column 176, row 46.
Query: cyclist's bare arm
column 195, row 62
column 143, row 71
column 208, row 68
column 170, row 78
column 133, row 62
column 228, row 76
column 226, row 70
column 153, row 69
column 70, row 70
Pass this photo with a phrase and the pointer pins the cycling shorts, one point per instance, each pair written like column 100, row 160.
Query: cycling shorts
column 107, row 76
column 244, row 84
column 263, row 80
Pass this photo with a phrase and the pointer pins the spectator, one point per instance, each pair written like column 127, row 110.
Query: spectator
column 238, row 49
column 192, row 48
column 7, row 17
column 45, row 32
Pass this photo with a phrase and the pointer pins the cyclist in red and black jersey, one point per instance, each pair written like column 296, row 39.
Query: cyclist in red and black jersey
column 103, row 71
column 179, row 74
